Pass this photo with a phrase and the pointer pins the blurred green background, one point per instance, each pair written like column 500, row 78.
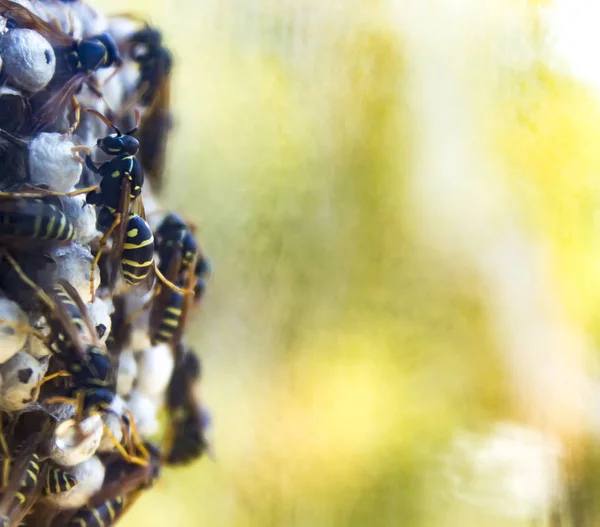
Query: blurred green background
column 399, row 201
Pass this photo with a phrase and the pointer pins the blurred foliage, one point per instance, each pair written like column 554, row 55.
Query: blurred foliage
column 342, row 352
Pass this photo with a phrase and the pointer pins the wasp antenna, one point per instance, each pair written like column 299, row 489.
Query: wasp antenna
column 104, row 119
column 137, row 122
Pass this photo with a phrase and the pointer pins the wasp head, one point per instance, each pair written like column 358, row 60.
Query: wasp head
column 119, row 144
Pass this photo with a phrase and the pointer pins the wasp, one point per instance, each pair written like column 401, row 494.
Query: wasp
column 35, row 219
column 153, row 92
column 202, row 271
column 175, row 240
column 122, row 486
column 58, row 480
column 74, row 342
column 189, row 421
column 120, row 188
column 78, row 59
column 28, row 474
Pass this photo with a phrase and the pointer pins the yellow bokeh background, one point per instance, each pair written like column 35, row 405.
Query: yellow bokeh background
column 345, row 340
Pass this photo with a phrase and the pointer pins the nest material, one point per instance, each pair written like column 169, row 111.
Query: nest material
column 62, row 465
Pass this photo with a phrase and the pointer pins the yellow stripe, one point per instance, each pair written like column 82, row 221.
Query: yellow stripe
column 170, row 323
column 63, row 224
column 32, row 475
column 136, row 264
column 34, row 464
column 98, row 517
column 37, row 224
column 20, row 497
column 166, row 334
column 111, row 511
column 142, row 244
column 56, row 482
column 174, row 311
column 80, row 522
column 51, row 223
column 134, row 276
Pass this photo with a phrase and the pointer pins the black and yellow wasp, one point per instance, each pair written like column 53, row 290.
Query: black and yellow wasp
column 77, row 61
column 75, row 345
column 154, row 93
column 118, row 193
column 28, row 473
column 122, row 486
column 39, row 219
column 121, row 182
column 177, row 251
column 189, row 421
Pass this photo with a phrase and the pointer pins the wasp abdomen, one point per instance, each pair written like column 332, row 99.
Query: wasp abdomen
column 138, row 250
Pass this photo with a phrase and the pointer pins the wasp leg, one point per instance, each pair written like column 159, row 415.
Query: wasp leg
column 115, row 72
column 170, row 284
column 24, row 328
column 39, row 291
column 137, row 440
column 61, row 373
column 80, row 148
column 59, row 399
column 101, row 244
column 6, row 459
column 129, row 458
column 37, row 192
column 130, row 318
column 77, row 110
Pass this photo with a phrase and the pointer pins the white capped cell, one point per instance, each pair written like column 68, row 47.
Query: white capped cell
column 52, row 163
column 100, row 311
column 28, row 58
column 155, row 366
column 127, row 372
column 21, row 376
column 75, row 443
column 115, row 425
column 144, row 412
column 12, row 338
column 74, row 264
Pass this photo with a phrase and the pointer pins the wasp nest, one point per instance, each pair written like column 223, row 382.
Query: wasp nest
column 95, row 291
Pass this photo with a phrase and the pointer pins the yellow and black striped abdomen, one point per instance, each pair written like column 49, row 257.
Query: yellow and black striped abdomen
column 170, row 319
column 35, row 218
column 103, row 515
column 57, row 481
column 138, row 250
column 29, row 478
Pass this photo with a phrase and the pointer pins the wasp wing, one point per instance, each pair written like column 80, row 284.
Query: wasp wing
column 153, row 133
column 24, row 18
column 72, row 292
column 49, row 112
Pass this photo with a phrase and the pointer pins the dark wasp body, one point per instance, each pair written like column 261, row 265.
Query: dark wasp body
column 175, row 240
column 155, row 62
column 121, row 183
column 153, row 92
column 189, row 421
column 77, row 60
column 35, row 219
column 123, row 484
